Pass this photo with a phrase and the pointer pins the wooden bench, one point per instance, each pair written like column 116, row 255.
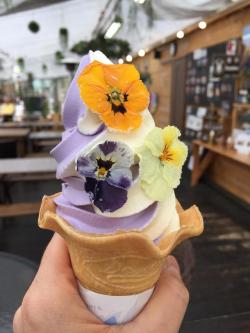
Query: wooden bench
column 19, row 209
column 19, row 135
column 23, row 169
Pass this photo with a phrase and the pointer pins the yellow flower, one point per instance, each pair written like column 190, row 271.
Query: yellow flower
column 115, row 92
column 161, row 161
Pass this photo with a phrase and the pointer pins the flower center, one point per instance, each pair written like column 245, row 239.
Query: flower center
column 166, row 155
column 103, row 168
column 102, row 172
column 116, row 96
column 117, row 99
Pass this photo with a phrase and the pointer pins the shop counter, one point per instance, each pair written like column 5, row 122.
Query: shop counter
column 224, row 166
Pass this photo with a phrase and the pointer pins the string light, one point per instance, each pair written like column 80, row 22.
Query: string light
column 180, row 34
column 120, row 61
column 202, row 25
column 129, row 58
column 141, row 53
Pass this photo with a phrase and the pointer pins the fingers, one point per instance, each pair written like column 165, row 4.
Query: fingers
column 172, row 266
column 17, row 322
column 55, row 270
column 167, row 306
column 56, row 256
column 55, row 264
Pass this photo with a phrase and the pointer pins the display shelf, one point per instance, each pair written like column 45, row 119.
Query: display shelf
column 239, row 109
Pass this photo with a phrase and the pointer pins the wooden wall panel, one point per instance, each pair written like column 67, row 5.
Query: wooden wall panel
column 230, row 26
column 161, row 84
column 218, row 32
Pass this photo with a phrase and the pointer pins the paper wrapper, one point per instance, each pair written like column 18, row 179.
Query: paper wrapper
column 114, row 310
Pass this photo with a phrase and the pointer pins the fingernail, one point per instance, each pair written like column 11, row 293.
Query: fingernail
column 172, row 264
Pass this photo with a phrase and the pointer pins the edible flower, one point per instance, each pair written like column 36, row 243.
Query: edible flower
column 116, row 93
column 106, row 169
column 161, row 161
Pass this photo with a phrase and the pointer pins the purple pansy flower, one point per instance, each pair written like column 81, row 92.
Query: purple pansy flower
column 107, row 170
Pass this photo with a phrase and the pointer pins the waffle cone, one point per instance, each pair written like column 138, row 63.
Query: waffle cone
column 124, row 263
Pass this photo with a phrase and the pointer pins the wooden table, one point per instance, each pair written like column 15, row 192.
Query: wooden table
column 34, row 125
column 10, row 167
column 46, row 135
column 226, row 167
column 19, row 135
column 43, row 139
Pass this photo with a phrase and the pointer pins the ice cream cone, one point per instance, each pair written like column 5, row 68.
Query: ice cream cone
column 124, row 263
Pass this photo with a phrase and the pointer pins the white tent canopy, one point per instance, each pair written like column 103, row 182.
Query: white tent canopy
column 79, row 17
column 169, row 16
column 82, row 18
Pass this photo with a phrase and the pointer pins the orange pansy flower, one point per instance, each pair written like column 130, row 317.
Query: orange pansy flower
column 115, row 92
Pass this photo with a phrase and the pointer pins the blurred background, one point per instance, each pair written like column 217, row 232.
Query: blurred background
column 194, row 57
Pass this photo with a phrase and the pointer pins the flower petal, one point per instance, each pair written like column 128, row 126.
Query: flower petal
column 157, row 190
column 170, row 134
column 85, row 166
column 93, row 73
column 120, row 177
column 123, row 156
column 138, row 97
column 149, row 165
column 178, row 150
column 108, row 147
column 155, row 141
column 106, row 197
column 120, row 154
column 122, row 122
column 171, row 175
column 120, row 76
column 95, row 98
column 93, row 88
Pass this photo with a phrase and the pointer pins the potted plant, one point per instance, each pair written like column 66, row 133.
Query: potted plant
column 58, row 57
column 44, row 68
column 21, row 63
column 34, row 27
column 63, row 38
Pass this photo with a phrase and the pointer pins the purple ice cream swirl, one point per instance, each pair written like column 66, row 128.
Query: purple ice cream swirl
column 108, row 182
column 73, row 205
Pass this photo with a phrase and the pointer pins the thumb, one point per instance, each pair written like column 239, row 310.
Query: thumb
column 167, row 306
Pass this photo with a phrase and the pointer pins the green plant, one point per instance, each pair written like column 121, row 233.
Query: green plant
column 63, row 38
column 21, row 63
column 58, row 57
column 44, row 68
column 63, row 32
column 112, row 48
column 34, row 26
